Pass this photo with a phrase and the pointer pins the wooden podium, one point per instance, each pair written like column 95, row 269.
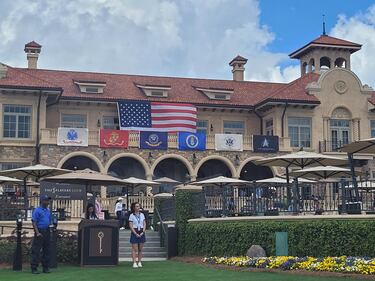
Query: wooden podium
column 98, row 242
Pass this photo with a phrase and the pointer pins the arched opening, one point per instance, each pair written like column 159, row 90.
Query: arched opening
column 304, row 68
column 251, row 172
column 325, row 63
column 340, row 127
column 125, row 167
column 311, row 65
column 172, row 168
column 212, row 168
column 340, row 62
column 79, row 163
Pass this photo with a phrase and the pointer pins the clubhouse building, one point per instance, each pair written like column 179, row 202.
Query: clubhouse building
column 324, row 109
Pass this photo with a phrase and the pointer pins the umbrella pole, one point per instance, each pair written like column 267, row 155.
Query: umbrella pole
column 296, row 197
column 288, row 193
column 355, row 184
column 127, row 198
column 25, row 199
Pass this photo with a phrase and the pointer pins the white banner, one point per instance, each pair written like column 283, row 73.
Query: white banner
column 228, row 142
column 73, row 137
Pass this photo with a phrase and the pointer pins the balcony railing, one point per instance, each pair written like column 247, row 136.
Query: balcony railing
column 49, row 136
column 331, row 146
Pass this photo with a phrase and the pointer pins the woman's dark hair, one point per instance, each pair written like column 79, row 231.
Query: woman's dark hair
column 87, row 215
column 132, row 207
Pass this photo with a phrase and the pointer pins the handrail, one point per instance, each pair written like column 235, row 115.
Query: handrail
column 163, row 232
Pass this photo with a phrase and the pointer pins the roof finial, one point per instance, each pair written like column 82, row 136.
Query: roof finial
column 324, row 25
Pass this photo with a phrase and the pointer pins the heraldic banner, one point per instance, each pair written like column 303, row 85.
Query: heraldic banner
column 191, row 141
column 114, row 138
column 73, row 137
column 228, row 142
column 153, row 140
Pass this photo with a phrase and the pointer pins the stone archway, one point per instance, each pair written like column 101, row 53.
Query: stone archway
column 173, row 168
column 80, row 160
column 250, row 172
column 212, row 166
column 127, row 159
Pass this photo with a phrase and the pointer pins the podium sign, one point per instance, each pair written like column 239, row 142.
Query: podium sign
column 98, row 242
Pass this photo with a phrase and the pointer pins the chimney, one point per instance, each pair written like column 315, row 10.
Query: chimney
column 238, row 64
column 32, row 50
column 3, row 70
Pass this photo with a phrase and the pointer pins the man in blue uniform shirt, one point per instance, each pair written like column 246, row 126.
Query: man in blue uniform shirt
column 41, row 220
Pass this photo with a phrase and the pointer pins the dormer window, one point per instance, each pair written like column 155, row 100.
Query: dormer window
column 154, row 91
column 216, row 94
column 90, row 87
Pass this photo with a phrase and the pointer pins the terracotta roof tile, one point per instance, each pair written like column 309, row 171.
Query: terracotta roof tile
column 33, row 44
column 122, row 86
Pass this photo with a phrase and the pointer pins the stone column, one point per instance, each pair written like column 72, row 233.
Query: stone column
column 356, row 129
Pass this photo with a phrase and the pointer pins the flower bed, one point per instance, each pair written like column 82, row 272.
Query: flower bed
column 341, row 264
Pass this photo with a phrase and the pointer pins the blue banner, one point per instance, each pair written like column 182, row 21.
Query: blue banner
column 153, row 140
column 265, row 144
column 191, row 141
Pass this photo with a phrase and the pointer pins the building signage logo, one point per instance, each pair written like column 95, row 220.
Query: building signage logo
column 265, row 144
column 191, row 141
column 153, row 140
column 228, row 142
column 72, row 137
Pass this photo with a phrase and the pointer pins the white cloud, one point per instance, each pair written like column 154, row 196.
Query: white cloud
column 360, row 29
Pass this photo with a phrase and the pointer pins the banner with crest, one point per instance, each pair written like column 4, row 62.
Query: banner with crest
column 114, row 138
column 228, row 142
column 73, row 137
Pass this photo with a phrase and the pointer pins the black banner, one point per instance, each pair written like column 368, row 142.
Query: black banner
column 265, row 144
column 63, row 191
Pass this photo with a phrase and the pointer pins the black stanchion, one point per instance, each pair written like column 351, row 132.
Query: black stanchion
column 53, row 243
column 17, row 260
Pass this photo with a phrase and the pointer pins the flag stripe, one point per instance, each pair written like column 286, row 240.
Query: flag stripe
column 179, row 118
column 166, row 122
column 173, row 125
column 173, row 115
column 173, row 108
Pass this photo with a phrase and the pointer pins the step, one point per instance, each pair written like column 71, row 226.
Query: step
column 147, row 244
column 143, row 259
column 145, row 254
column 145, row 249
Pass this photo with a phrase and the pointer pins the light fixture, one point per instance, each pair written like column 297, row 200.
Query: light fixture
column 104, row 154
column 211, row 128
column 150, row 157
column 98, row 124
column 194, row 158
column 237, row 160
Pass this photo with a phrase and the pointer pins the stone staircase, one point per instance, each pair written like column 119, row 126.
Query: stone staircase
column 151, row 251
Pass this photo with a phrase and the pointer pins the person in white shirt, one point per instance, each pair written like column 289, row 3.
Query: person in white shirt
column 118, row 212
column 137, row 224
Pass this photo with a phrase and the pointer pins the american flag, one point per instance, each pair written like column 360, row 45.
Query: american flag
column 157, row 116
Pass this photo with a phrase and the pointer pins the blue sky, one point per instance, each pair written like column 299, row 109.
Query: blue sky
column 191, row 38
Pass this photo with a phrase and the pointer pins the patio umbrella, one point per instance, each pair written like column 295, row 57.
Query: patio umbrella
column 222, row 182
column 282, row 180
column 166, row 181
column 300, row 159
column 163, row 195
column 5, row 180
column 323, row 172
column 35, row 172
column 134, row 182
column 86, row 177
column 188, row 187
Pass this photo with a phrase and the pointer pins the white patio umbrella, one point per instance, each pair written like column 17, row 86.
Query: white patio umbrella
column 361, row 146
column 281, row 180
column 163, row 195
column 189, row 187
column 323, row 172
column 35, row 172
column 221, row 181
column 301, row 159
column 5, row 180
column 134, row 182
column 166, row 181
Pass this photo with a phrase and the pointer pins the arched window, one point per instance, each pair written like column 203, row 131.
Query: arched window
column 325, row 63
column 311, row 65
column 304, row 68
column 340, row 62
column 340, row 127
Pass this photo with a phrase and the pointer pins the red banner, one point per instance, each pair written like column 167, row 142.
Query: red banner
column 114, row 138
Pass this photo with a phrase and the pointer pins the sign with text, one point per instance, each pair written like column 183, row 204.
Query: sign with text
column 265, row 144
column 63, row 191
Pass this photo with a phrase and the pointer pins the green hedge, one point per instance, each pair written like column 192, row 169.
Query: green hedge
column 306, row 238
column 184, row 212
column 67, row 249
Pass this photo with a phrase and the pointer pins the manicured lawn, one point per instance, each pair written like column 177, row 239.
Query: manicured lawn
column 155, row 271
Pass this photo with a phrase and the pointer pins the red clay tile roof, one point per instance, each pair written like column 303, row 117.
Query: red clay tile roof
column 122, row 86
column 33, row 44
column 295, row 91
column 372, row 99
column 325, row 40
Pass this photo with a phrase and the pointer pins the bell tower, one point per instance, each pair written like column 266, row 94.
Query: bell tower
column 325, row 52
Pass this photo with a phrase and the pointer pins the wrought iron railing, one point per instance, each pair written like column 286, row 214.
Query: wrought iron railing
column 331, row 146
